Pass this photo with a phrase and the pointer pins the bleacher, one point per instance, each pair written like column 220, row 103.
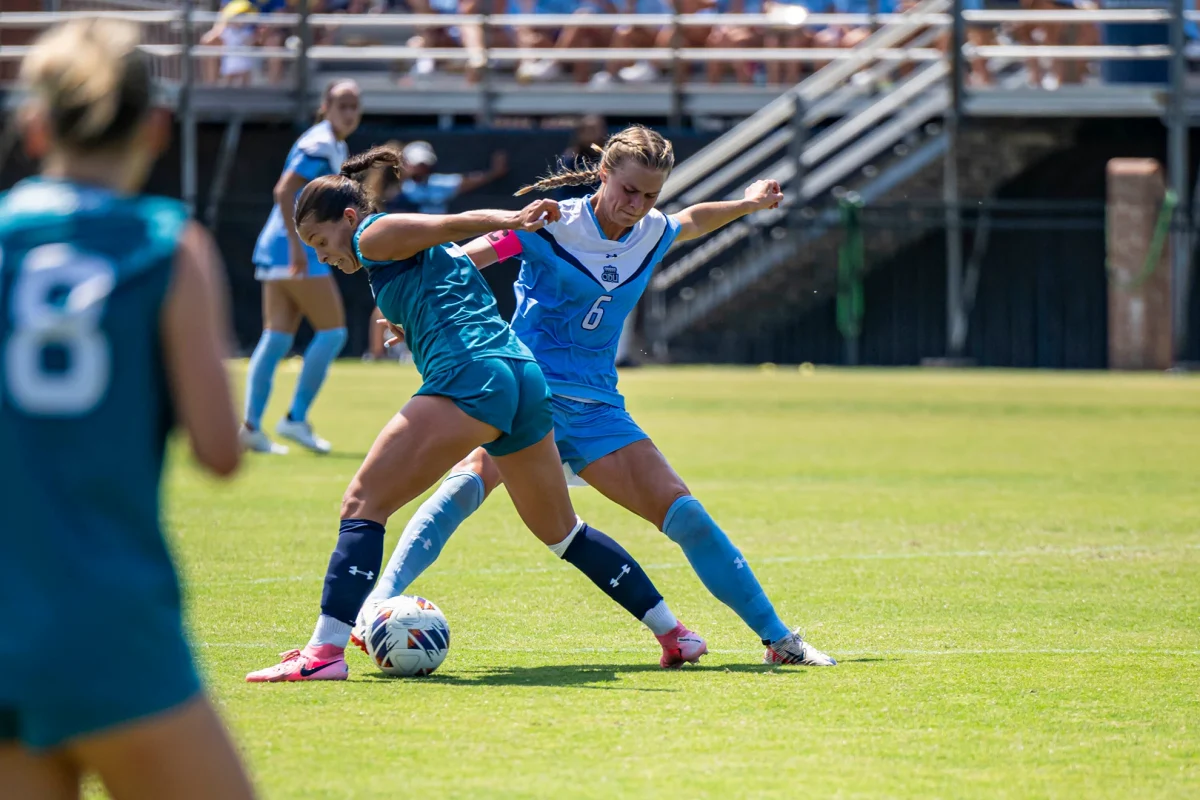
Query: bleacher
column 883, row 123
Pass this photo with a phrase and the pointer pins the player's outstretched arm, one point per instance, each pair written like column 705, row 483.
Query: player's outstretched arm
column 495, row 247
column 400, row 236
column 704, row 218
column 195, row 336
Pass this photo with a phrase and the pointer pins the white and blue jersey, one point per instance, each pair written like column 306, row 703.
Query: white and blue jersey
column 317, row 152
column 432, row 196
column 575, row 290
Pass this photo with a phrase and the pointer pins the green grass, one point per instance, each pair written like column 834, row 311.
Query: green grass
column 1006, row 565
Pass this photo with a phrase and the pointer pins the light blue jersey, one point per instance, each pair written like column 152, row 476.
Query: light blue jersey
column 317, row 152
column 575, row 290
column 432, row 196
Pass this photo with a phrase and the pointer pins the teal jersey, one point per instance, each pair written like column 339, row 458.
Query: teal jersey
column 84, row 408
column 446, row 308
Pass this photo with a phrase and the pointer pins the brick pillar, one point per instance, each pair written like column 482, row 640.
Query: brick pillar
column 1139, row 307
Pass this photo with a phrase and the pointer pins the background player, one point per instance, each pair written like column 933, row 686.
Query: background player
column 112, row 323
column 580, row 278
column 481, row 387
column 296, row 284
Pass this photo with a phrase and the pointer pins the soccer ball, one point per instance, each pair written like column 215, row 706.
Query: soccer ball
column 407, row 636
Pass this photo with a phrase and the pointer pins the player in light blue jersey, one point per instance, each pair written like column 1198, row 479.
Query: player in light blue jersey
column 581, row 276
column 113, row 325
column 481, row 387
column 296, row 285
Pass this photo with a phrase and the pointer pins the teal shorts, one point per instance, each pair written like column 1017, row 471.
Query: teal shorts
column 71, row 692
column 507, row 393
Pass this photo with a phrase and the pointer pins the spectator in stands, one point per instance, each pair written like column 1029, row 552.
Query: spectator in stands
column 786, row 33
column 469, row 36
column 848, row 36
column 239, row 70
column 624, row 36
column 564, row 38
column 736, row 37
column 431, row 192
column 1057, row 34
column 978, row 73
column 231, row 70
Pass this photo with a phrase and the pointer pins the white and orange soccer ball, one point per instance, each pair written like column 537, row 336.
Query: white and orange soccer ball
column 407, row 636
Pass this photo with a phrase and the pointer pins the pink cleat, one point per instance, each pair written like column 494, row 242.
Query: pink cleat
column 680, row 645
column 324, row 663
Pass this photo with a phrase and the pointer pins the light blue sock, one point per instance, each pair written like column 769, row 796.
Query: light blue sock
column 322, row 350
column 721, row 567
column 272, row 347
column 427, row 533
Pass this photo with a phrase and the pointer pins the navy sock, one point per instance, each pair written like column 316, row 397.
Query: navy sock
column 611, row 568
column 353, row 568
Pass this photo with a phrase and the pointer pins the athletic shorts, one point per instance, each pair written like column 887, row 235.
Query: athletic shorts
column 269, row 272
column 83, row 683
column 587, row 432
column 507, row 393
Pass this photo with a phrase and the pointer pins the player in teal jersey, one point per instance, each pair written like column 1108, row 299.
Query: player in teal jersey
column 581, row 277
column 113, row 324
column 481, row 387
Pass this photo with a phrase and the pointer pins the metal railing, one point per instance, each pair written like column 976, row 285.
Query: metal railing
column 165, row 27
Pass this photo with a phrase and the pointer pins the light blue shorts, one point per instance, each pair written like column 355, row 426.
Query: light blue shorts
column 271, row 272
column 587, row 432
column 507, row 393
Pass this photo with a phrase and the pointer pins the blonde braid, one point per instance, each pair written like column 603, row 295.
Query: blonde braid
column 636, row 143
column 581, row 175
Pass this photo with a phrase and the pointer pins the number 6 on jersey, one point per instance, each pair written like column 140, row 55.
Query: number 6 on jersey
column 591, row 320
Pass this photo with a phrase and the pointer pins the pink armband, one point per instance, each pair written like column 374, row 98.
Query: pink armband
column 506, row 244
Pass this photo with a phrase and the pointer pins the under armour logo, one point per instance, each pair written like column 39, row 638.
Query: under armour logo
column 741, row 562
column 365, row 573
column 610, row 255
column 428, row 543
column 615, row 582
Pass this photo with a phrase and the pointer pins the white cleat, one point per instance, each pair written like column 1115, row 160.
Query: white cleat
column 257, row 442
column 302, row 434
column 792, row 649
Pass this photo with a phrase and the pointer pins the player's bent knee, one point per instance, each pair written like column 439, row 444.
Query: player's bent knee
column 668, row 502
column 686, row 521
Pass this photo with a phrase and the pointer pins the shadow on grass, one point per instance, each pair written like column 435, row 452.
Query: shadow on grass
column 584, row 676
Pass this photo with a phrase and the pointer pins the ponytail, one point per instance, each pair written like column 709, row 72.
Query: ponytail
column 327, row 197
column 583, row 174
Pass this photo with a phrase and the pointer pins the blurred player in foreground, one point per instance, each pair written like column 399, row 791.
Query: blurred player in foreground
column 113, row 324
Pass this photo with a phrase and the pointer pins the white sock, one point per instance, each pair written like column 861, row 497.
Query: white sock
column 330, row 631
column 659, row 619
column 560, row 549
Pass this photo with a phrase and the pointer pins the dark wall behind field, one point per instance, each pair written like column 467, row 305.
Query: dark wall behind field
column 1042, row 298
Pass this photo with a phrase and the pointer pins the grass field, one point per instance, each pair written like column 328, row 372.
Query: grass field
column 1006, row 565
